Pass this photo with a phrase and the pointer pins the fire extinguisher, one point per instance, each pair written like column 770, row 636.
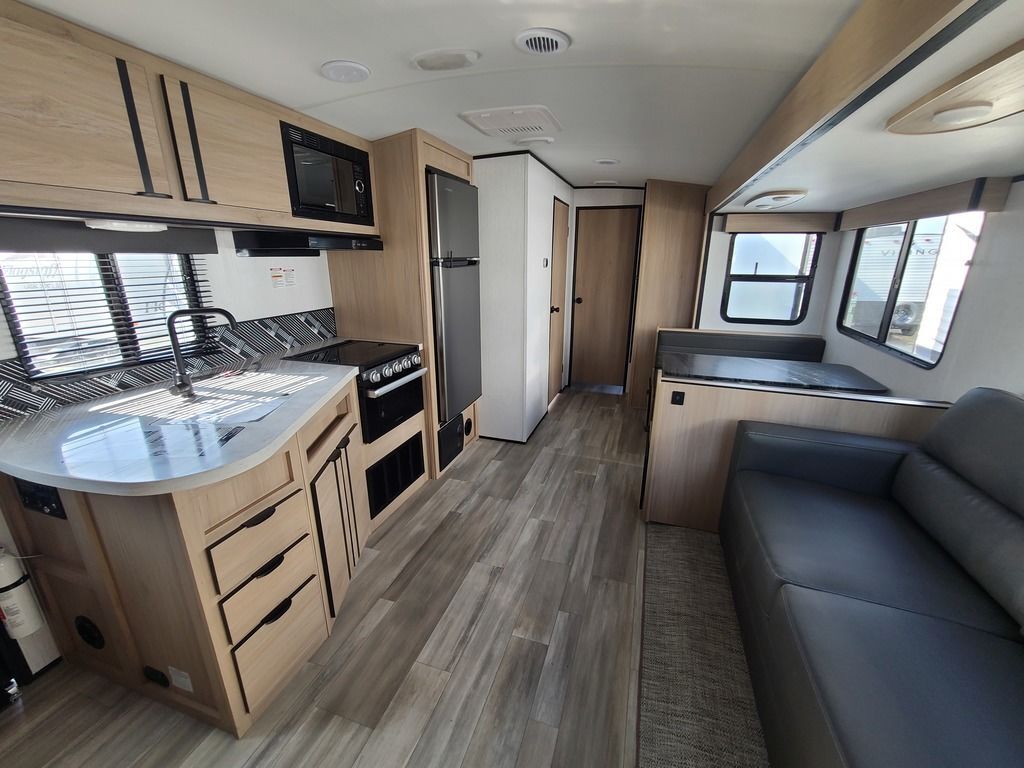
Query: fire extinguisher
column 19, row 610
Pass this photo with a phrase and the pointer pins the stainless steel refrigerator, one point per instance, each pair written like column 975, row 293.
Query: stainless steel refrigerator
column 455, row 279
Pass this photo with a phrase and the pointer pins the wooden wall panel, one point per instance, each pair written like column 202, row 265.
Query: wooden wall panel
column 671, row 240
column 779, row 222
column 691, row 444
column 974, row 195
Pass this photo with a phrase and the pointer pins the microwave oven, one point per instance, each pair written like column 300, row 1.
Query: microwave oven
column 327, row 179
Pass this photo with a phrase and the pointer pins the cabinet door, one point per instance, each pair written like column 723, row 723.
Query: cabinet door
column 228, row 152
column 74, row 117
column 329, row 506
column 359, row 503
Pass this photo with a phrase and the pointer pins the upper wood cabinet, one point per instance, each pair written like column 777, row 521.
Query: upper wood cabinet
column 71, row 116
column 228, row 152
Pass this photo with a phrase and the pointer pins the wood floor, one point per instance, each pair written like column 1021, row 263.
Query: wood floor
column 494, row 621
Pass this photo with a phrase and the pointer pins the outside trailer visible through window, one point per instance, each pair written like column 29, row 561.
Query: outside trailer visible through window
column 769, row 276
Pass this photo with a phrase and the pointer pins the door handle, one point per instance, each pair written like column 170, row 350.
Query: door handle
column 579, row 300
column 555, row 309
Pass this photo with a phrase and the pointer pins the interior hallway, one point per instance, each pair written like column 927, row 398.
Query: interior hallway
column 493, row 621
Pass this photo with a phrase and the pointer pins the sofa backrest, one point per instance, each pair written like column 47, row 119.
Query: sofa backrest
column 965, row 486
column 772, row 346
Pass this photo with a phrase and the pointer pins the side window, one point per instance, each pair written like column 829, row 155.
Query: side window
column 769, row 276
column 905, row 282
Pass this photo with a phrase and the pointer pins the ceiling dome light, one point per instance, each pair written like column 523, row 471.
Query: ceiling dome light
column 445, row 59
column 607, row 161
column 770, row 200
column 114, row 225
column 606, row 183
column 963, row 114
column 342, row 71
column 542, row 41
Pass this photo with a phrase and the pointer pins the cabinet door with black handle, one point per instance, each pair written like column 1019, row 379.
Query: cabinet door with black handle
column 329, row 505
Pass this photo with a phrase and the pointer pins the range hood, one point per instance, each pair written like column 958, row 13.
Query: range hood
column 278, row 243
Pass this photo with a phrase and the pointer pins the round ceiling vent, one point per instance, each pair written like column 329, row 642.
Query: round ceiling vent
column 445, row 59
column 542, row 40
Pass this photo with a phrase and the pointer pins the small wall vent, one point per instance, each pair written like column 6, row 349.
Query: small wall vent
column 513, row 123
column 542, row 41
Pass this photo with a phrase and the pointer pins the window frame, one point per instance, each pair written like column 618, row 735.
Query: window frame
column 892, row 298
column 118, row 304
column 806, row 280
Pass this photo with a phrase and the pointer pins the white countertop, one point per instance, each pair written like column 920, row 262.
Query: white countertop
column 147, row 441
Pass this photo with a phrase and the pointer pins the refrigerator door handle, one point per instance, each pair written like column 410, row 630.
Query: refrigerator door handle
column 439, row 352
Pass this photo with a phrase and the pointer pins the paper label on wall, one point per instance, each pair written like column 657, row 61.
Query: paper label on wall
column 282, row 277
column 180, row 679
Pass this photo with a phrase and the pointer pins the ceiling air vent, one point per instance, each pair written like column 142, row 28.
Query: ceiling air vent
column 513, row 123
column 542, row 41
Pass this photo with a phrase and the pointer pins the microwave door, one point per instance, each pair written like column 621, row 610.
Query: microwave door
column 315, row 178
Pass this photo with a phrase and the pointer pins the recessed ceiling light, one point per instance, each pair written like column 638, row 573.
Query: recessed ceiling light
column 535, row 140
column 607, row 161
column 113, row 225
column 605, row 183
column 445, row 59
column 343, row 71
column 962, row 114
column 769, row 200
column 543, row 41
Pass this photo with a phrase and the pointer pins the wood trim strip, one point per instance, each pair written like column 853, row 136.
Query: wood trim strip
column 747, row 223
column 880, row 43
column 987, row 195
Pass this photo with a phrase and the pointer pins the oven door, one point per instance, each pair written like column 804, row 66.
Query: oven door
column 385, row 407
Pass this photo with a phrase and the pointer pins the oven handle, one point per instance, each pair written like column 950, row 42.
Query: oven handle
column 375, row 393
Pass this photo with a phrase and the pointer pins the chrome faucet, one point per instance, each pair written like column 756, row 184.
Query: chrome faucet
column 182, row 381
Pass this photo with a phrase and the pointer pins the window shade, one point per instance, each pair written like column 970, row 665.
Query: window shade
column 76, row 311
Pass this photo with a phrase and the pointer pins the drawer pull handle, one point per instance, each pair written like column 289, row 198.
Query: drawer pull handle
column 278, row 612
column 262, row 517
column 270, row 567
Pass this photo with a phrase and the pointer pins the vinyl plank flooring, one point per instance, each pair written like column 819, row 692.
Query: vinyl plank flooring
column 499, row 731
column 591, row 731
column 399, row 729
column 554, row 679
column 537, row 616
column 492, row 621
column 538, row 746
column 449, row 638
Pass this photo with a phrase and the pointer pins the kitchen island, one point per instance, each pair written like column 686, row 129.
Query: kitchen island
column 195, row 550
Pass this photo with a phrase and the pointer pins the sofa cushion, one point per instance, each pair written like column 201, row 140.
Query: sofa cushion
column 783, row 530
column 984, row 536
column 869, row 685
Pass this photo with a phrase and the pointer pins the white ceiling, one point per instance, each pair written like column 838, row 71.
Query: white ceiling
column 859, row 162
column 672, row 88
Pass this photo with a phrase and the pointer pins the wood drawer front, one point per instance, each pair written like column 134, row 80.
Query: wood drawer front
column 280, row 577
column 260, row 487
column 268, row 659
column 322, row 433
column 263, row 536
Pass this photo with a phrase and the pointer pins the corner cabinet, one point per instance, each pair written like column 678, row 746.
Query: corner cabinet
column 71, row 116
column 208, row 599
column 228, row 152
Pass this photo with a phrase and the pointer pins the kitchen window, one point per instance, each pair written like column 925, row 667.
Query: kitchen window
column 75, row 312
column 905, row 283
column 768, row 278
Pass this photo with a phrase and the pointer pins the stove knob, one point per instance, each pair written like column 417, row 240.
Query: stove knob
column 416, row 359
column 406, row 364
column 387, row 371
column 375, row 377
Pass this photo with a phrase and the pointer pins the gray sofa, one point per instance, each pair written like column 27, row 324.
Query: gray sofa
column 880, row 589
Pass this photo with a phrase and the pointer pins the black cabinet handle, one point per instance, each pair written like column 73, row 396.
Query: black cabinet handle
column 278, row 612
column 270, row 567
column 259, row 519
column 555, row 309
column 579, row 300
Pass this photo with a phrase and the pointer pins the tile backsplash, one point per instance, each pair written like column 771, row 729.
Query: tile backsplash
column 252, row 338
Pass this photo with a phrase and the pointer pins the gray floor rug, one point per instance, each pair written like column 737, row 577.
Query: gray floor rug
column 696, row 703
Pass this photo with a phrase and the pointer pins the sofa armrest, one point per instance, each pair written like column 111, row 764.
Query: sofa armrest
column 858, row 463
